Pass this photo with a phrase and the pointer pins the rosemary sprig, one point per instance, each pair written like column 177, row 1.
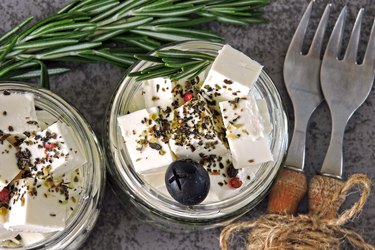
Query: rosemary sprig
column 174, row 64
column 112, row 31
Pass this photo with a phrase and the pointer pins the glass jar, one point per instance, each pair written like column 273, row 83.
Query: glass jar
column 161, row 209
column 84, row 216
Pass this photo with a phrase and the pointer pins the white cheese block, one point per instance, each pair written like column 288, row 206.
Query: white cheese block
column 32, row 238
column 54, row 150
column 263, row 109
column 45, row 119
column 35, row 207
column 8, row 163
column 232, row 75
column 155, row 180
column 138, row 101
column 194, row 133
column 185, row 86
column 157, row 92
column 75, row 182
column 17, row 113
column 147, row 152
column 246, row 132
column 6, row 234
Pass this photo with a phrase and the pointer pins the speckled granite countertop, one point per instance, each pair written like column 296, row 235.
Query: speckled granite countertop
column 89, row 88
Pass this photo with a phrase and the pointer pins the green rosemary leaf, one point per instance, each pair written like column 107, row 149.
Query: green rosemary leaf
column 36, row 73
column 128, row 24
column 86, row 26
column 103, row 8
column 190, row 71
column 68, row 51
column 172, row 12
column 229, row 10
column 34, row 34
column 7, row 69
column 112, row 11
column 149, row 58
column 45, row 44
column 44, row 79
column 68, row 7
column 198, row 2
column 113, row 58
column 9, row 48
column 176, row 60
column 101, row 37
column 181, row 64
column 184, row 54
column 169, row 20
column 137, row 42
column 162, row 36
column 96, row 4
column 79, row 35
column 30, row 64
column 188, row 23
column 99, row 59
column 135, row 74
column 243, row 3
column 183, row 31
column 50, row 19
column 157, row 73
column 175, row 37
column 158, row 4
column 15, row 29
column 152, row 68
column 82, row 4
column 166, row 8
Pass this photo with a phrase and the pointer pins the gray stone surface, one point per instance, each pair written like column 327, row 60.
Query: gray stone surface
column 89, row 87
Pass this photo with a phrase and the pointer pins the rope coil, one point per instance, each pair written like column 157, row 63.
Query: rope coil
column 308, row 232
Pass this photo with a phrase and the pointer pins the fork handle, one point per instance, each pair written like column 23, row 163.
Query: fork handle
column 287, row 192
column 320, row 194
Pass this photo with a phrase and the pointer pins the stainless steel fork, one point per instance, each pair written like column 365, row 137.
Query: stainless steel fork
column 345, row 85
column 301, row 76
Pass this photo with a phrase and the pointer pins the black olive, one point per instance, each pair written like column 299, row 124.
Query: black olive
column 187, row 182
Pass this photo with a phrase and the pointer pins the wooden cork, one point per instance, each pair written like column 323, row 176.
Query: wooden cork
column 321, row 192
column 287, row 192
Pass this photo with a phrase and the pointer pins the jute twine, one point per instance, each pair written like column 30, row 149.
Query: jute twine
column 273, row 231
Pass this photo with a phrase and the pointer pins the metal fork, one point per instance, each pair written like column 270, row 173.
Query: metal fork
column 345, row 85
column 301, row 76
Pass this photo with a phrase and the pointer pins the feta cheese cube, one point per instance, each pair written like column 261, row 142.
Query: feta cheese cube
column 246, row 132
column 32, row 238
column 232, row 75
column 221, row 171
column 74, row 181
column 158, row 92
column 17, row 113
column 53, row 150
column 155, row 180
column 194, row 133
column 8, row 163
column 45, row 119
column 186, row 86
column 262, row 106
column 138, row 101
column 36, row 206
column 144, row 139
column 6, row 234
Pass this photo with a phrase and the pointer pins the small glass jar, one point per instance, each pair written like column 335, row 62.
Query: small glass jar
column 85, row 214
column 163, row 210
